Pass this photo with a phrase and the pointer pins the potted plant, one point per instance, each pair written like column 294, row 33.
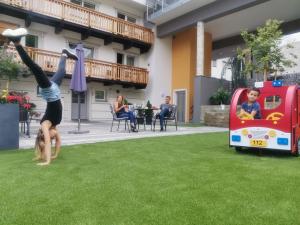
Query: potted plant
column 148, row 113
column 25, row 106
column 9, row 104
column 140, row 116
column 220, row 97
column 263, row 54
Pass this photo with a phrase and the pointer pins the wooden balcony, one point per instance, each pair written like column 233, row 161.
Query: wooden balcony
column 65, row 15
column 105, row 72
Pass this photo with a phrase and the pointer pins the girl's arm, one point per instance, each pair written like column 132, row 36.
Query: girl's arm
column 116, row 107
column 45, row 128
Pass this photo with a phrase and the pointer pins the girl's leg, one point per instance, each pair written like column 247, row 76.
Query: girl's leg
column 61, row 71
column 131, row 118
column 37, row 71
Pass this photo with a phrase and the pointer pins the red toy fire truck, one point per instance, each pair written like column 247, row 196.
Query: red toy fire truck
column 278, row 129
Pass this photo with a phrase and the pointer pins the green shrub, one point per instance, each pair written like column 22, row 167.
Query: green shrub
column 220, row 97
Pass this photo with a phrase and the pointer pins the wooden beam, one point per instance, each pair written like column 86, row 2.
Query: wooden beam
column 108, row 40
column 127, row 85
column 85, row 35
column 127, row 46
column 144, row 50
column 59, row 27
column 28, row 20
column 107, row 83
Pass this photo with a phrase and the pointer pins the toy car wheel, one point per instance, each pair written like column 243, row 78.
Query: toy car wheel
column 238, row 149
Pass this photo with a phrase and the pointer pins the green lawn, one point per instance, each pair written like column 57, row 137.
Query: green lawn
column 180, row 180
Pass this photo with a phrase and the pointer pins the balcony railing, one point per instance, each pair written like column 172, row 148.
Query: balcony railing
column 156, row 8
column 86, row 17
column 96, row 69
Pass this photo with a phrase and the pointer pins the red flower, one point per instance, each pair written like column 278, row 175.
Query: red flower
column 27, row 106
column 19, row 99
column 11, row 98
column 27, row 98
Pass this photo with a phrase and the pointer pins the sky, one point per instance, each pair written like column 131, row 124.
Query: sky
column 140, row 1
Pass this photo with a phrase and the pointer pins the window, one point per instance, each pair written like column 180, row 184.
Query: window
column 89, row 5
column 81, row 97
column 78, row 2
column 130, row 60
column 85, row 4
column 131, row 19
column 38, row 94
column 120, row 58
column 214, row 63
column 126, row 17
column 121, row 16
column 125, row 59
column 272, row 102
column 100, row 96
column 88, row 51
column 31, row 41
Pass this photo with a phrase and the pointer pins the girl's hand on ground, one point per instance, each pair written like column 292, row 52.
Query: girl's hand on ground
column 43, row 164
column 36, row 159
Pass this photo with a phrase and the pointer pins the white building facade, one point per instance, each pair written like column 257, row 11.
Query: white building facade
column 147, row 73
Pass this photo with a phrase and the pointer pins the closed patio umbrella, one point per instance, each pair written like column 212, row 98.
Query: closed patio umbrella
column 78, row 81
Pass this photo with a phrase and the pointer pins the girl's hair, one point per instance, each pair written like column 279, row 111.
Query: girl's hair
column 39, row 139
column 120, row 96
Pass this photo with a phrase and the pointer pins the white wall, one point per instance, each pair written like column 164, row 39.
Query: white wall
column 96, row 110
column 217, row 69
column 101, row 110
column 294, row 40
column 159, row 60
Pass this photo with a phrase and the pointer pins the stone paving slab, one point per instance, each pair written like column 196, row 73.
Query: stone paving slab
column 100, row 132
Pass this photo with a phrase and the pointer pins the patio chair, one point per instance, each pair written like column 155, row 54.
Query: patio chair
column 171, row 117
column 115, row 118
column 140, row 115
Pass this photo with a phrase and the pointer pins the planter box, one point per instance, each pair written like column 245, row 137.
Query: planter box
column 9, row 132
column 149, row 120
column 215, row 116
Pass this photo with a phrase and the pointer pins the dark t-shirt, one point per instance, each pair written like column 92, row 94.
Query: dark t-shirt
column 166, row 106
column 253, row 107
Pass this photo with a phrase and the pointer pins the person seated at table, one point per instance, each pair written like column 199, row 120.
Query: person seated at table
column 122, row 111
column 165, row 111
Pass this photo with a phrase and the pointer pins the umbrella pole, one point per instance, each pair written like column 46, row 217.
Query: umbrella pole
column 79, row 109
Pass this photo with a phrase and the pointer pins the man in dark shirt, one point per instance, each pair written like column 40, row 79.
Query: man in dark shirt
column 165, row 111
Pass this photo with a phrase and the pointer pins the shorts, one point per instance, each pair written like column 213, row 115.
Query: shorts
column 53, row 112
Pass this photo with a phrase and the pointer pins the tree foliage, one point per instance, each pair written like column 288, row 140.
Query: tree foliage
column 263, row 53
column 9, row 67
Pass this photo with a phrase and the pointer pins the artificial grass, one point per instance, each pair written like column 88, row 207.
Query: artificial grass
column 194, row 179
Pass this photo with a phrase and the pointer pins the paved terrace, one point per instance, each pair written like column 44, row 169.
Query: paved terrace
column 100, row 132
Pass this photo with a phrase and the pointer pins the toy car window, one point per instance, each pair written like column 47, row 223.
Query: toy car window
column 272, row 102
